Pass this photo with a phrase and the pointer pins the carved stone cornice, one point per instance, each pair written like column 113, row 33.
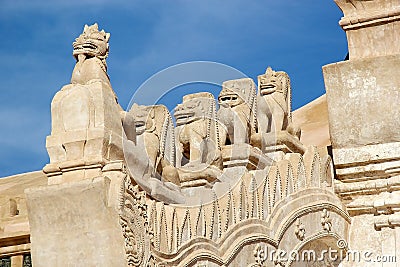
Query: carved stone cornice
column 371, row 26
column 367, row 162
column 383, row 203
column 367, row 187
column 361, row 13
column 383, row 221
column 20, row 238
column 370, row 19
column 6, row 251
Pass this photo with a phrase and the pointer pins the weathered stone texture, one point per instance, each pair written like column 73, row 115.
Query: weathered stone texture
column 363, row 101
column 75, row 225
column 372, row 27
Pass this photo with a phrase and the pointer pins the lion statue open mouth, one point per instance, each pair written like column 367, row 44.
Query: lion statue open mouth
column 90, row 51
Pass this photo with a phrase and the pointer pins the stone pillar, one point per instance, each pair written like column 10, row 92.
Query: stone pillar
column 363, row 97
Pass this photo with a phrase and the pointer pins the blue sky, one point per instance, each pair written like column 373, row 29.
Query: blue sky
column 298, row 37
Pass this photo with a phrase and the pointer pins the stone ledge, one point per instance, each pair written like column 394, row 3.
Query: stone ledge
column 14, row 238
column 276, row 144
column 390, row 221
column 344, row 189
column 198, row 175
column 369, row 19
column 376, row 153
column 369, row 162
column 15, row 250
column 378, row 204
column 244, row 155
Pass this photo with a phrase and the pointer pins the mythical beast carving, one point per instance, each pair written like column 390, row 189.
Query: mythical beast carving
column 198, row 139
column 275, row 130
column 155, row 135
column 237, row 111
column 274, row 101
column 86, row 123
column 90, row 51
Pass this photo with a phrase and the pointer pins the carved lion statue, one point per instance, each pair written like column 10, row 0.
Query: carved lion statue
column 237, row 111
column 273, row 101
column 90, row 51
column 155, row 135
column 197, row 130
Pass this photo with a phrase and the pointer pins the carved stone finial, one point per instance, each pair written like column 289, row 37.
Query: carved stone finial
column 90, row 51
column 155, row 136
column 86, row 118
column 92, row 42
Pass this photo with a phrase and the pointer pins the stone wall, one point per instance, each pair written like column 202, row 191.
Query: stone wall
column 363, row 96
